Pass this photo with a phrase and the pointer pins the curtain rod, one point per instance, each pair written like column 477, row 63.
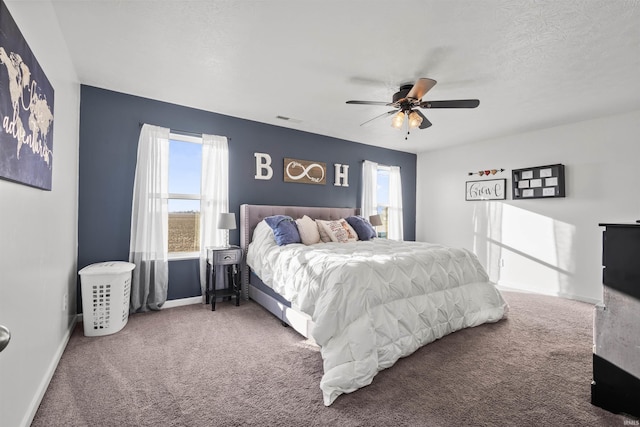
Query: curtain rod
column 184, row 132
column 379, row 164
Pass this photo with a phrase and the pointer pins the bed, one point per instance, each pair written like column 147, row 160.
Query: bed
column 365, row 303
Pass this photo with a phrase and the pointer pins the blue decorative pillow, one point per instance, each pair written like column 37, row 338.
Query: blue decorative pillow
column 284, row 229
column 363, row 228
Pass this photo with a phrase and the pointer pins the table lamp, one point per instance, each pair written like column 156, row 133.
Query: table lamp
column 375, row 220
column 226, row 221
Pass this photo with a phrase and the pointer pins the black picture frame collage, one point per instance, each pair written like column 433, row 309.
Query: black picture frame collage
column 540, row 182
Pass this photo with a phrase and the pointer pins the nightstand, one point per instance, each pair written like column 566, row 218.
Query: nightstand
column 226, row 262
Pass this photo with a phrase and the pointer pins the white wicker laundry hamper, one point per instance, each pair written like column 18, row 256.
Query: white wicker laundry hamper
column 106, row 287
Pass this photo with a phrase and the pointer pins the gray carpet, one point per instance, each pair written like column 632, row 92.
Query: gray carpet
column 188, row 366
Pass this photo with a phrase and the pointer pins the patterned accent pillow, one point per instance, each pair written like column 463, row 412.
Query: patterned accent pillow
column 352, row 236
column 284, row 229
column 308, row 230
column 363, row 227
column 335, row 231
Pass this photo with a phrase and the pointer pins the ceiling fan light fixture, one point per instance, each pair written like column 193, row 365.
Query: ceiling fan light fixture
column 397, row 120
column 409, row 101
column 414, row 120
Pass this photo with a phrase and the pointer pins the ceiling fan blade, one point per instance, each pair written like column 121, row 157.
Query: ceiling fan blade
column 369, row 102
column 458, row 103
column 420, row 88
column 425, row 122
column 388, row 113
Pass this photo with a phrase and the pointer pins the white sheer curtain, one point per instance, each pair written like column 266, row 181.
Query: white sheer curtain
column 395, row 205
column 148, row 247
column 369, row 205
column 214, row 188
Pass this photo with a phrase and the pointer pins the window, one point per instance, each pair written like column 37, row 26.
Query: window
column 382, row 195
column 185, row 165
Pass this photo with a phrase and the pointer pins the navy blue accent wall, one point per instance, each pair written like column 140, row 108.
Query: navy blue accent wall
column 184, row 279
column 109, row 131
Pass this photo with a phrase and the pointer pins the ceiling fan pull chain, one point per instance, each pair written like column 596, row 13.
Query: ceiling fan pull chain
column 407, row 122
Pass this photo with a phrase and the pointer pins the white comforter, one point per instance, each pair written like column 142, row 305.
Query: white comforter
column 377, row 301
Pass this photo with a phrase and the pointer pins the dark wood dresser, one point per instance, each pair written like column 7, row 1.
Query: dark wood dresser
column 616, row 327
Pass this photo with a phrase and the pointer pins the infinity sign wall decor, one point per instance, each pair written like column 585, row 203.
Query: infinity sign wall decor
column 304, row 171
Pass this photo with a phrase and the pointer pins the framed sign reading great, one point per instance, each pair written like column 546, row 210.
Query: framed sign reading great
column 488, row 189
column 26, row 110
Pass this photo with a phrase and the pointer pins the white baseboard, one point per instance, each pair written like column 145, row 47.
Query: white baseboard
column 44, row 384
column 169, row 304
column 507, row 287
column 182, row 301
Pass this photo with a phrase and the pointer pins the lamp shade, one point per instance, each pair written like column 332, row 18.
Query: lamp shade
column 375, row 220
column 414, row 120
column 227, row 221
column 397, row 120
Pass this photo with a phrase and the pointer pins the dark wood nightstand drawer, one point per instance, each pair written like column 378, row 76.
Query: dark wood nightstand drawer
column 225, row 256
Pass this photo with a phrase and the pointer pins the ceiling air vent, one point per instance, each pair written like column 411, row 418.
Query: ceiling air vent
column 288, row 119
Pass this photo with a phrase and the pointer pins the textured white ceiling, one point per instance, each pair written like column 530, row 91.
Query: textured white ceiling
column 533, row 64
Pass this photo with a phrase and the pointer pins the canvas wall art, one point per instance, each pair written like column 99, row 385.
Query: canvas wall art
column 26, row 110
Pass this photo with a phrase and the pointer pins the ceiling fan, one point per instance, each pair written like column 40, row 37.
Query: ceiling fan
column 407, row 101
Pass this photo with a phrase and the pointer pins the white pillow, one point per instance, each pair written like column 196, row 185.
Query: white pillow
column 335, row 231
column 322, row 230
column 308, row 230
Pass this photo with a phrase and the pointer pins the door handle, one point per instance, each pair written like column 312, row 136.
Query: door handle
column 5, row 336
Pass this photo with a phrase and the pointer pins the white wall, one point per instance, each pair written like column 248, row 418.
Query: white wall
column 550, row 246
column 38, row 236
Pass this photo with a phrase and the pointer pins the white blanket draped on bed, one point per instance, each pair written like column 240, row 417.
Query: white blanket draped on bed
column 374, row 302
